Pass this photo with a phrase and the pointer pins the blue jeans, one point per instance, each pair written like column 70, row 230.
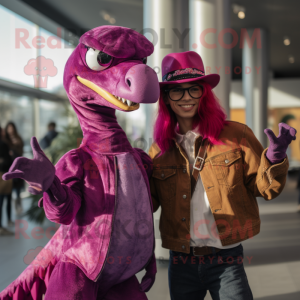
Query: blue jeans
column 222, row 274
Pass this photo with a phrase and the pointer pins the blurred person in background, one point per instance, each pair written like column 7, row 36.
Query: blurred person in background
column 5, row 185
column 50, row 136
column 15, row 143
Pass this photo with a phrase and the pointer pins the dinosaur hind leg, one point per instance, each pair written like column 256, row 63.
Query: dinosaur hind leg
column 126, row 290
column 68, row 282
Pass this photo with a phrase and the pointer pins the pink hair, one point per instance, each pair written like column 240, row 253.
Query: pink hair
column 210, row 118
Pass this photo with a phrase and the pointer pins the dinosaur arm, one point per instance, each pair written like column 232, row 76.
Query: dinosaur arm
column 63, row 199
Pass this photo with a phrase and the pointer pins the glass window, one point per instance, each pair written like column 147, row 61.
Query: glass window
column 54, row 54
column 22, row 42
column 16, row 35
column 52, row 112
column 18, row 109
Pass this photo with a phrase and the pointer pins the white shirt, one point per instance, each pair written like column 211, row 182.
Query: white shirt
column 202, row 226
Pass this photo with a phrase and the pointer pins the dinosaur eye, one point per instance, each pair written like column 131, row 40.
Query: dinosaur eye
column 104, row 58
column 145, row 60
column 97, row 60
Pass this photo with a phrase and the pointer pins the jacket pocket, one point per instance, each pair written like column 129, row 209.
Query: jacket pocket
column 165, row 183
column 228, row 167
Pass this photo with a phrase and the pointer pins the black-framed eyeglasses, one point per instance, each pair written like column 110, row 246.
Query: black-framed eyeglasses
column 177, row 93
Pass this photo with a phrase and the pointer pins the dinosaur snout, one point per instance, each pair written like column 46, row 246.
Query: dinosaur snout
column 139, row 85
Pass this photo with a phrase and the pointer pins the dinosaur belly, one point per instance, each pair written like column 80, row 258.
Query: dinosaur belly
column 132, row 237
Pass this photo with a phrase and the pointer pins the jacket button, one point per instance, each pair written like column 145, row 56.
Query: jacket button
column 226, row 161
column 184, row 170
column 183, row 219
column 162, row 175
column 183, row 247
column 184, row 196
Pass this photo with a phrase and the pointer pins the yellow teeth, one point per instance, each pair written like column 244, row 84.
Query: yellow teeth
column 115, row 100
column 125, row 101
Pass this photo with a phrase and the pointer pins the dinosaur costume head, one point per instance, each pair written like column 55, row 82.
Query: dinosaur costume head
column 107, row 71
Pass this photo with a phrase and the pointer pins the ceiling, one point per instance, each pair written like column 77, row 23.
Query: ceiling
column 279, row 17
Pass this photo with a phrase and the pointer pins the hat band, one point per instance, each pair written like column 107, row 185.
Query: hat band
column 183, row 74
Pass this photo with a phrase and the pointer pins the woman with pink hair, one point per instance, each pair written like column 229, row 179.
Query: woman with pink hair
column 207, row 173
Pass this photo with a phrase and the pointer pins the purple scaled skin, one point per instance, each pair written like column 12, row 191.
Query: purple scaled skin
column 278, row 145
column 89, row 188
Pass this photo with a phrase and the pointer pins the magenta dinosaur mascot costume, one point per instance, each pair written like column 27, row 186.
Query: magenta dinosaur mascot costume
column 99, row 193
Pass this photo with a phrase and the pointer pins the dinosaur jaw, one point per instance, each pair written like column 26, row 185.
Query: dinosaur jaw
column 122, row 103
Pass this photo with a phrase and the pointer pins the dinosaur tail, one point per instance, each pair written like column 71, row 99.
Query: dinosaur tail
column 30, row 285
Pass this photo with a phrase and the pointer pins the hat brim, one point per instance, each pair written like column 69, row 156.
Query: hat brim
column 211, row 79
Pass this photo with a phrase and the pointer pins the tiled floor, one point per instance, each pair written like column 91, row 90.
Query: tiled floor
column 273, row 274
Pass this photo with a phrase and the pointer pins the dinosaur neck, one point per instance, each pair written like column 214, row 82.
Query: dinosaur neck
column 102, row 133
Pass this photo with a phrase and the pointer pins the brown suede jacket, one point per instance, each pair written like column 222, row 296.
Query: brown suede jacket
column 234, row 174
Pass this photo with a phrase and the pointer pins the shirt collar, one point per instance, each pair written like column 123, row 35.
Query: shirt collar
column 179, row 137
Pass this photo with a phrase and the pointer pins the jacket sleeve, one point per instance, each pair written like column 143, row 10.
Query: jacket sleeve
column 261, row 177
column 63, row 199
column 153, row 152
